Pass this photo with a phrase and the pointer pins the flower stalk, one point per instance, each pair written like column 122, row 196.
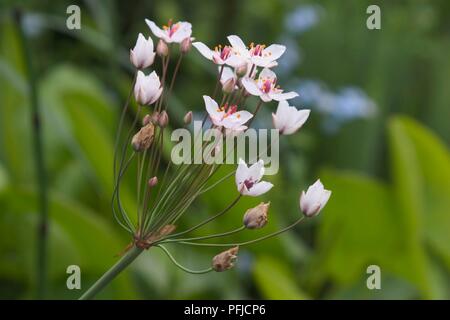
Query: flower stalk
column 109, row 275
column 162, row 202
column 41, row 177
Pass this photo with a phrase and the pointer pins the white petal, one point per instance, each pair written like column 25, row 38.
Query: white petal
column 235, row 60
column 184, row 31
column 266, row 98
column 298, row 120
column 155, row 29
column 284, row 96
column 274, row 51
column 212, row 108
column 262, row 61
column 267, row 74
column 227, row 74
column 259, row 189
column 324, row 198
column 256, row 171
column 236, row 42
column 241, row 174
column 204, row 50
column 251, row 87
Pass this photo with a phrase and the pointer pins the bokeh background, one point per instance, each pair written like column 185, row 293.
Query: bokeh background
column 378, row 137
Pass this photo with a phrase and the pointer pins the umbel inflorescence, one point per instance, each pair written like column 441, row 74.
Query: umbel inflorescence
column 165, row 194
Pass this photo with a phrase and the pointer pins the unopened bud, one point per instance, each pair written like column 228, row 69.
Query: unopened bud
column 144, row 138
column 225, row 260
column 154, row 117
column 188, row 118
column 146, row 120
column 153, row 182
column 163, row 119
column 229, row 85
column 186, row 45
column 256, row 218
column 162, row 49
column 241, row 70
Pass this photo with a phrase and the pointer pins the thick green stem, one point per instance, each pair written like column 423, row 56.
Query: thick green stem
column 42, row 227
column 109, row 275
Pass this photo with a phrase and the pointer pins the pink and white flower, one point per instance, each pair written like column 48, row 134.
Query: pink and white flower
column 259, row 54
column 266, row 87
column 314, row 199
column 288, row 119
column 173, row 32
column 248, row 179
column 142, row 55
column 147, row 88
column 219, row 55
column 226, row 116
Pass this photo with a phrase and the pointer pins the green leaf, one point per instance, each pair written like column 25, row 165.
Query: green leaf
column 275, row 281
column 357, row 227
column 428, row 190
column 77, row 236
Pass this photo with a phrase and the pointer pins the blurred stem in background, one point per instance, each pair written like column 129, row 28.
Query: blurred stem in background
column 42, row 226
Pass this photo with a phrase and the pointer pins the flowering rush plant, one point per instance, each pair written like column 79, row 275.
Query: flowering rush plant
column 164, row 195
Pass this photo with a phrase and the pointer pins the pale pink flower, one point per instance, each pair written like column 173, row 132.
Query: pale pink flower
column 147, row 88
column 288, row 119
column 142, row 55
column 314, row 199
column 226, row 116
column 258, row 55
column 219, row 55
column 248, row 179
column 265, row 86
column 173, row 32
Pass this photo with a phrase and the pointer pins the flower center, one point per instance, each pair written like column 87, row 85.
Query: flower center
column 229, row 110
column 257, row 50
column 267, row 85
column 224, row 52
column 171, row 28
column 248, row 184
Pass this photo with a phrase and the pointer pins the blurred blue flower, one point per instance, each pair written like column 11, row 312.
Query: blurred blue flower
column 303, row 18
column 347, row 104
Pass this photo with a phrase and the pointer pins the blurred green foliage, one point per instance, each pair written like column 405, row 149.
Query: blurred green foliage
column 390, row 174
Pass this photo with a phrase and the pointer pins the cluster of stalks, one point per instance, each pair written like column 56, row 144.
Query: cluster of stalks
column 164, row 194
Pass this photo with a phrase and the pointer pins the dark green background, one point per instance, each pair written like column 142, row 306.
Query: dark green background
column 390, row 174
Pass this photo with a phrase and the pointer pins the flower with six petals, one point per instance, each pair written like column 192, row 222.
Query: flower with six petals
column 248, row 179
column 265, row 87
column 173, row 32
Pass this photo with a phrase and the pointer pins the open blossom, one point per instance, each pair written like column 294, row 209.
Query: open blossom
column 288, row 119
column 219, row 55
column 258, row 54
column 173, row 32
column 248, row 179
column 265, row 86
column 314, row 199
column 147, row 88
column 226, row 116
column 142, row 55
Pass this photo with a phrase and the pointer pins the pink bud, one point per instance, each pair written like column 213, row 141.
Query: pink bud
column 186, row 45
column 162, row 49
column 188, row 118
column 152, row 182
column 163, row 119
